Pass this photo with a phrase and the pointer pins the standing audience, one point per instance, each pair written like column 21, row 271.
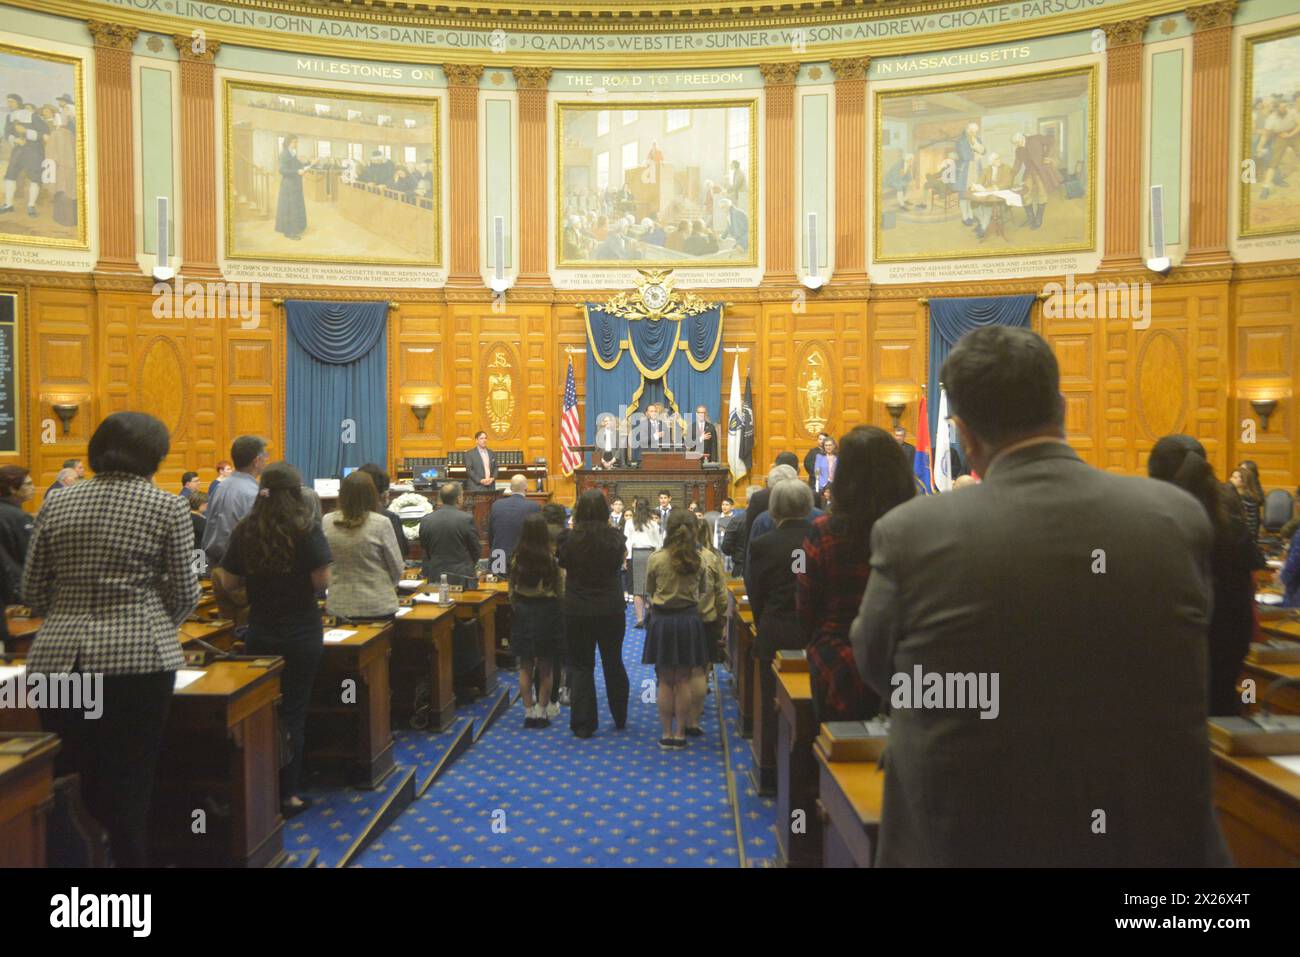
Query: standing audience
column 380, row 478
column 110, row 571
column 15, row 523
column 643, row 536
column 367, row 561
column 536, row 621
column 276, row 563
column 872, row 478
column 1245, row 479
column 594, row 613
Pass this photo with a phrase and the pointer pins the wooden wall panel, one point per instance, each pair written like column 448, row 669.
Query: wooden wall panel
column 897, row 361
column 1265, row 313
column 61, row 368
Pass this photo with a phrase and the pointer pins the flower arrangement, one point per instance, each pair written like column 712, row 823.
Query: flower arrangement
column 410, row 508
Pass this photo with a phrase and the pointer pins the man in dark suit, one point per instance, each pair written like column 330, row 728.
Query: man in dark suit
column 1087, row 645
column 909, row 450
column 506, row 521
column 480, row 466
column 665, row 508
column 449, row 540
column 702, row 435
column 810, row 459
column 755, row 507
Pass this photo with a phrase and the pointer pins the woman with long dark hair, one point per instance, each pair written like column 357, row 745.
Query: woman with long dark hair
column 277, row 561
column 1181, row 460
column 1245, row 479
column 367, row 559
column 536, row 626
column 592, row 559
column 643, row 536
column 871, row 477
column 675, row 641
column 15, row 522
column 110, row 571
column 713, row 612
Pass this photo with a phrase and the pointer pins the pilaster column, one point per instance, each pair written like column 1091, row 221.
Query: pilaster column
column 532, row 83
column 462, row 173
column 778, row 175
column 1123, row 239
column 851, row 169
column 198, row 156
column 113, row 146
column 1211, row 159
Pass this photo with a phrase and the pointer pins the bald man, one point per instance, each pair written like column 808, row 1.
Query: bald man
column 506, row 520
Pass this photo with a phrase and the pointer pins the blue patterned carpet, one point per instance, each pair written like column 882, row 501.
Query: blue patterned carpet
column 542, row 797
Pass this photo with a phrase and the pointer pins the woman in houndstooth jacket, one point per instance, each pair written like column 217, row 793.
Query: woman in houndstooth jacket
column 110, row 568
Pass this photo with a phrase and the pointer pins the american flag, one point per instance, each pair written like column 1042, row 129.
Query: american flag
column 570, row 427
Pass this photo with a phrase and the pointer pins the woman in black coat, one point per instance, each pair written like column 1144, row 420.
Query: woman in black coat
column 594, row 613
column 1181, row 460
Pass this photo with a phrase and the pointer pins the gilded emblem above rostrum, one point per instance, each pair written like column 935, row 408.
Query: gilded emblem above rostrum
column 500, row 404
column 815, row 387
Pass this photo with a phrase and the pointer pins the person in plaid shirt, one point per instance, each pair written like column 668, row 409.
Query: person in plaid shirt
column 111, row 570
column 871, row 477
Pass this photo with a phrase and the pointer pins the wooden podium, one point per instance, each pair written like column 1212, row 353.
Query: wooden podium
column 683, row 474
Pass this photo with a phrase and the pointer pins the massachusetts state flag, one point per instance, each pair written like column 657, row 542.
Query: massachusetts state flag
column 921, row 463
column 942, row 447
column 570, row 428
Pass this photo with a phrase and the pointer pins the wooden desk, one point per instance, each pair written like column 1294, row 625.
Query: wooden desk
column 686, row 484
column 502, row 620
column 762, row 745
column 221, row 755
column 26, row 797
column 349, row 726
column 850, row 795
column 481, row 606
column 1286, row 698
column 796, row 772
column 422, row 662
column 743, row 622
column 1258, row 803
column 18, row 720
column 21, row 633
column 218, row 632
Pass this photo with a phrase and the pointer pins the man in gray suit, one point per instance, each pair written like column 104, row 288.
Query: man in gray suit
column 449, row 540
column 1041, row 639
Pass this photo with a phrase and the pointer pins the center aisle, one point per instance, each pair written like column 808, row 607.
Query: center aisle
column 542, row 797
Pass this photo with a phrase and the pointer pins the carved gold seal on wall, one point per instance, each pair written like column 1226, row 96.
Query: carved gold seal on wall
column 500, row 392
column 815, row 390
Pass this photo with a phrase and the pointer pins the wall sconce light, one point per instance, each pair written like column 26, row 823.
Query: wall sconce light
column 895, row 409
column 66, row 411
column 421, row 410
column 1263, row 408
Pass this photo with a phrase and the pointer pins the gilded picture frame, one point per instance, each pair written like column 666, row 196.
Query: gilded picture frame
column 383, row 167
column 36, row 152
column 922, row 123
column 1267, row 207
column 664, row 192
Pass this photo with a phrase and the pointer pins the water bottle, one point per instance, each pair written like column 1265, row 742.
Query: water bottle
column 443, row 590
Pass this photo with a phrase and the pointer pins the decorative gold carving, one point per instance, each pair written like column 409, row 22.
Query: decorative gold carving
column 851, row 68
column 1124, row 32
column 1211, row 16
column 463, row 74
column 655, row 298
column 532, row 77
column 778, row 74
column 115, row 36
column 186, row 43
column 500, row 392
column 815, row 390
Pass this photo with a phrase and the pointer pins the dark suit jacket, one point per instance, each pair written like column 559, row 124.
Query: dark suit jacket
column 506, row 521
column 403, row 543
column 474, row 469
column 770, row 582
column 909, row 455
column 1101, row 675
column 733, row 545
column 708, row 446
column 450, row 544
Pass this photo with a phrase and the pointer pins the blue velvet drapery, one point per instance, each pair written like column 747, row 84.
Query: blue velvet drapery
column 644, row 360
column 336, row 385
column 950, row 319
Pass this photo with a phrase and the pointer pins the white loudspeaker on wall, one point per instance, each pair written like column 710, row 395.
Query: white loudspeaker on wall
column 499, row 282
column 162, row 270
column 1159, row 262
column 813, row 279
